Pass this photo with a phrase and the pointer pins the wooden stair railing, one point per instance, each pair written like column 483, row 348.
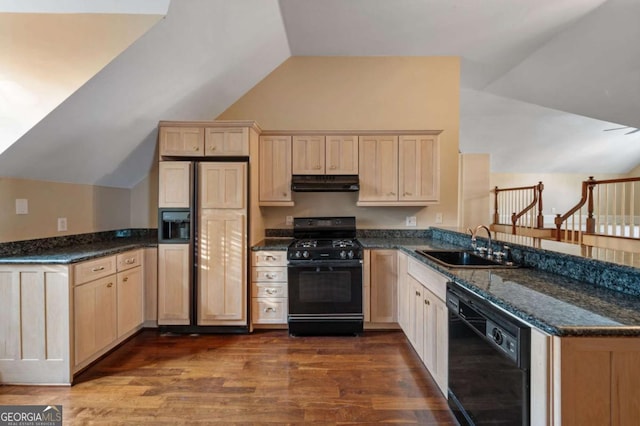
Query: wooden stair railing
column 520, row 202
column 606, row 215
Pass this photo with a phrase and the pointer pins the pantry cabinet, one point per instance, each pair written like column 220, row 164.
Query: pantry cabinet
column 275, row 171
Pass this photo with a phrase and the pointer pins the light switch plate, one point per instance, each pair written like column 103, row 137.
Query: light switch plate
column 62, row 224
column 438, row 217
column 22, row 206
column 289, row 220
column 410, row 221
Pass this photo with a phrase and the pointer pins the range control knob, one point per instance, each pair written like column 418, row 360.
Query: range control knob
column 350, row 254
column 343, row 254
column 497, row 336
column 298, row 254
column 305, row 254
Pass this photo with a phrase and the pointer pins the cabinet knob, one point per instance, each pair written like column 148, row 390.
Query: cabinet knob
column 284, row 194
column 196, row 148
column 125, row 279
column 109, row 285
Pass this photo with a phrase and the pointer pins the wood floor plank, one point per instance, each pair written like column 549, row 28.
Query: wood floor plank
column 266, row 377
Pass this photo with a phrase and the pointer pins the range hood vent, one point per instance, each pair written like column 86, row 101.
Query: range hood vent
column 325, row 183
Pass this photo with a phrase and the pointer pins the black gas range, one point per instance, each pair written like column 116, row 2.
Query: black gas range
column 325, row 277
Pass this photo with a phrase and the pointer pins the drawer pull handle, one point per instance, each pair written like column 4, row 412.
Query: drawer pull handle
column 271, row 291
column 269, row 309
column 269, row 258
column 426, row 302
column 212, row 148
column 196, row 148
column 417, row 293
column 125, row 279
column 109, row 285
column 130, row 261
column 101, row 268
column 270, row 276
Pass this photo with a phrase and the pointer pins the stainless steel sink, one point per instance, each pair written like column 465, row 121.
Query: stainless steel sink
column 464, row 259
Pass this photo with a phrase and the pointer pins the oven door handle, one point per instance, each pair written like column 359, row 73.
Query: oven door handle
column 331, row 264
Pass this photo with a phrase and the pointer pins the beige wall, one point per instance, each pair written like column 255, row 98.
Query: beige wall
column 87, row 209
column 361, row 93
column 144, row 201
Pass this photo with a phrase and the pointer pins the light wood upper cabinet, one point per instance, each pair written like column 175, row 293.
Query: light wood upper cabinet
column 418, row 168
column 308, row 154
column 222, row 185
column 174, row 184
column 383, row 275
column 173, row 284
column 222, row 282
column 399, row 171
column 226, row 141
column 378, row 164
column 341, row 155
column 275, row 171
column 181, row 141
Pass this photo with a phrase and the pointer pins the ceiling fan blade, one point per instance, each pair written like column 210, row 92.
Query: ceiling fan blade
column 615, row 128
column 633, row 131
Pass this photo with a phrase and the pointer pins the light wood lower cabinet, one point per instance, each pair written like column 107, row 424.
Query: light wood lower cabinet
column 383, row 265
column 95, row 317
column 269, row 297
column 109, row 309
column 425, row 321
column 174, row 272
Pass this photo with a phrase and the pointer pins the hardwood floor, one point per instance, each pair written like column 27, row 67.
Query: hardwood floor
column 263, row 378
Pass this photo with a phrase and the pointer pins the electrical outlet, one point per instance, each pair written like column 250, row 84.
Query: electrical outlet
column 289, row 220
column 438, row 217
column 22, row 206
column 62, row 224
column 410, row 221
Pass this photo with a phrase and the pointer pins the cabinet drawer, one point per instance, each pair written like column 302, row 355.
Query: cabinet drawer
column 269, row 289
column 129, row 259
column 429, row 278
column 269, row 274
column 269, row 258
column 269, row 311
column 94, row 269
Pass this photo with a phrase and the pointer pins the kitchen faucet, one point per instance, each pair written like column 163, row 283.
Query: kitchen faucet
column 473, row 239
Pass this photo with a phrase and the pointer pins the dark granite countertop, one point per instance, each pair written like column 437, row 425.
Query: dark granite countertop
column 79, row 252
column 558, row 291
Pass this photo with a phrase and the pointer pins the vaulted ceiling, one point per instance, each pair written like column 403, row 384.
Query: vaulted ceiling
column 541, row 82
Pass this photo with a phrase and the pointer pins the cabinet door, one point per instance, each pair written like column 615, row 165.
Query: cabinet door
column 383, row 286
column 378, row 165
column 226, row 141
column 441, row 342
column 416, row 316
column 173, row 284
column 428, row 331
column 130, row 300
column 419, row 172
column 308, row 155
column 404, row 293
column 174, row 184
column 275, row 170
column 95, row 313
column 222, row 273
column 222, row 185
column 341, row 156
column 181, row 141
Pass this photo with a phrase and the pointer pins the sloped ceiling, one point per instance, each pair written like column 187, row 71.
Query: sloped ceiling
column 543, row 79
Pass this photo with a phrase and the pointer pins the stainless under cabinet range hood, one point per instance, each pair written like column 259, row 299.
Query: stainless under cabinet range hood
column 325, row 183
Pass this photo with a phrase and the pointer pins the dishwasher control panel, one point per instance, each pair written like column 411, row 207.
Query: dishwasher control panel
column 502, row 339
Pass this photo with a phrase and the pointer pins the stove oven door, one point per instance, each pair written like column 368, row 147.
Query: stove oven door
column 325, row 297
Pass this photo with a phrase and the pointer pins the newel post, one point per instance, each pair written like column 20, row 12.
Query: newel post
column 496, row 216
column 540, row 218
column 591, row 222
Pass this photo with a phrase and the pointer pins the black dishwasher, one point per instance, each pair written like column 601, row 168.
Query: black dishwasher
column 488, row 362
